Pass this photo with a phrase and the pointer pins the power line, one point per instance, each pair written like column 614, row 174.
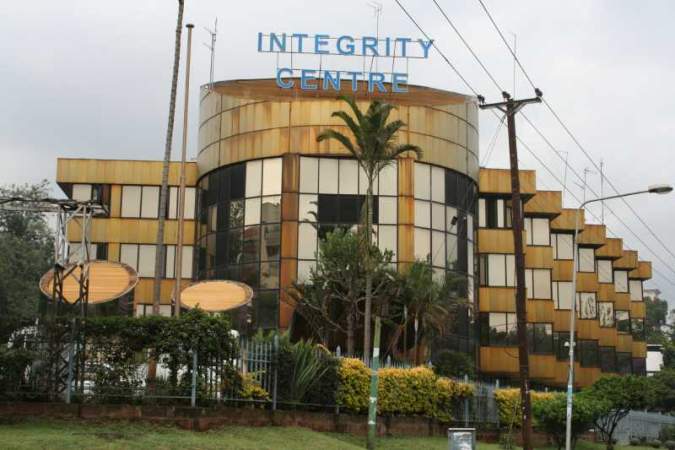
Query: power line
column 569, row 132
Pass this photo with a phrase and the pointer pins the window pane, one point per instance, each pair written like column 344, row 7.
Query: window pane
column 387, row 210
column 438, row 248
column 422, row 244
column 422, row 214
column 451, row 251
column 271, row 209
column 422, row 181
column 306, row 241
column 146, row 260
column 307, row 206
column 251, row 249
column 586, row 304
column 254, row 178
column 304, row 268
column 621, row 281
column 131, row 201
column 542, row 284
column 565, row 293
column 309, row 175
column 190, row 200
column 271, row 177
column 438, row 216
column 481, row 213
column 510, row 270
column 606, row 314
column 635, row 287
column 270, row 246
column 328, row 176
column 252, row 211
column 266, row 309
column 387, row 238
column 586, row 260
column 269, row 275
column 212, row 224
column 497, row 270
column 605, row 271
column 173, row 202
column 622, row 321
column 129, row 255
column 81, row 192
column 451, row 219
column 498, row 328
column 540, row 232
column 388, row 179
column 437, row 184
column 349, row 176
column 170, row 266
column 150, row 203
column 236, row 213
column 234, row 246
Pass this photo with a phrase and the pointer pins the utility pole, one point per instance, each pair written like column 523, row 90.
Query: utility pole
column 510, row 108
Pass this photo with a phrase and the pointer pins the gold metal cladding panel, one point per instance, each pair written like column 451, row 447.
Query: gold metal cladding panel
column 542, row 366
column 565, row 221
column 113, row 251
column 637, row 310
column 593, row 235
column 544, row 203
column 613, row 249
column 562, row 270
column 643, row 271
column 120, row 172
column 143, row 291
column 498, row 181
column 497, row 299
column 624, row 343
column 639, row 349
column 133, row 231
column 561, row 320
column 499, row 359
column 115, row 200
column 587, row 282
column 606, row 336
column 538, row 257
column 606, row 292
column 588, row 328
column 622, row 301
column 540, row 310
column 288, row 274
column 495, row 241
column 628, row 260
column 585, row 376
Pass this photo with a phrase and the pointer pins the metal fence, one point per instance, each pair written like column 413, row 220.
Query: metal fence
column 640, row 424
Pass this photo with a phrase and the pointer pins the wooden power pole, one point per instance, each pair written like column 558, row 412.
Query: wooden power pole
column 510, row 107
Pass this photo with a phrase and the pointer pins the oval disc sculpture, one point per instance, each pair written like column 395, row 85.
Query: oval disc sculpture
column 107, row 281
column 216, row 295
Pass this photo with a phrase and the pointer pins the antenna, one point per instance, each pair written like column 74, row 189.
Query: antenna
column 212, row 49
column 377, row 10
column 586, row 172
column 602, row 190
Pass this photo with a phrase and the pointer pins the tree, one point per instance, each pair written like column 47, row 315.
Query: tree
column 663, row 390
column 163, row 192
column 26, row 253
column 331, row 300
column 374, row 147
column 656, row 319
column 551, row 416
column 618, row 395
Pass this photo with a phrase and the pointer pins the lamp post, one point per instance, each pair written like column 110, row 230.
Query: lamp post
column 656, row 189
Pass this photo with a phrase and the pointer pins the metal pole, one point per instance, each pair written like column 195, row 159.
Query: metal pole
column 372, row 401
column 71, row 351
column 602, row 192
column 178, row 268
column 276, row 372
column 193, row 397
column 573, row 317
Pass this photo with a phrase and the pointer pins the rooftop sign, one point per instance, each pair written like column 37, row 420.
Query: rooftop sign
column 345, row 45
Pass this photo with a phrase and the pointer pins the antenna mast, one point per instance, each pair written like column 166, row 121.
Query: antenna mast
column 212, row 49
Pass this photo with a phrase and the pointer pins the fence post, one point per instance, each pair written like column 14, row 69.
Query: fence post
column 193, row 397
column 69, row 382
column 494, row 399
column 466, row 404
column 275, row 359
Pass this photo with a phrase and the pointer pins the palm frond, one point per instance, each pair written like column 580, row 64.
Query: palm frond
column 404, row 148
column 341, row 138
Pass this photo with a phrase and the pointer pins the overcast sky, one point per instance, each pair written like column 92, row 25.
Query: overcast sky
column 84, row 78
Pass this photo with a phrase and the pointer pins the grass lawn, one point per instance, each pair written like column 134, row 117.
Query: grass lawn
column 50, row 434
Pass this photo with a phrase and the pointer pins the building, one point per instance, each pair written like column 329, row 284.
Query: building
column 654, row 358
column 261, row 179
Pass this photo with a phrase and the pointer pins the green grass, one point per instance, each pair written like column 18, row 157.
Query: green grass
column 51, row 434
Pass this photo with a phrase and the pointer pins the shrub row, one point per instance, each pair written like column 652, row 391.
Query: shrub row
column 508, row 403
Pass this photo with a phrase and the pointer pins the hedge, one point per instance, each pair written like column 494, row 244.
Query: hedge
column 416, row 391
column 508, row 402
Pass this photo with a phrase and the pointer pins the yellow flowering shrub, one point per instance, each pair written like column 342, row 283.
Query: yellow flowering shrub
column 508, row 402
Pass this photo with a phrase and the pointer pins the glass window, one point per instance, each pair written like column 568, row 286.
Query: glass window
column 389, row 179
column 81, row 192
column 538, row 283
column 271, row 176
column 349, row 176
column 510, row 270
column 212, row 214
column 451, row 219
column 451, row 251
column 621, row 281
column 270, row 245
column 328, row 176
column 307, row 207
column 266, row 307
column 269, row 275
column 624, row 363
column 422, row 214
column 150, row 202
column 251, row 248
column 622, row 321
column 388, row 210
column 563, row 246
column 606, row 314
column 422, row 181
column 438, row 216
column 562, row 294
column 605, row 271
column 271, row 209
column 502, row 329
column 190, row 197
column 309, row 175
column 129, row 255
column 131, row 201
column 422, row 244
column 540, row 338
column 586, row 259
column 437, row 184
column 607, row 359
column 587, row 307
column 252, row 211
column 307, row 241
column 254, row 178
column 538, row 232
column 236, row 213
column 635, row 287
column 170, row 261
column 438, row 248
column 561, row 345
column 234, row 246
column 640, row 366
column 589, row 353
column 387, row 238
column 481, row 213
column 304, row 269
column 146, row 260
column 637, row 327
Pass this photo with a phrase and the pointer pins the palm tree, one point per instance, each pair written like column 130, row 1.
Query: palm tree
column 159, row 247
column 374, row 147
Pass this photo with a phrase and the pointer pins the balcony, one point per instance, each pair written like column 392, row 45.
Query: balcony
column 613, row 249
column 642, row 272
column 544, row 203
column 565, row 221
column 628, row 260
column 593, row 236
column 498, row 181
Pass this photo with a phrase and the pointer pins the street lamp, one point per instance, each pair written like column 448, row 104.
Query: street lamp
column 654, row 189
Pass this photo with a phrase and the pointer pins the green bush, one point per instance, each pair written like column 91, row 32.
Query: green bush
column 550, row 416
column 667, row 433
column 13, row 363
column 448, row 363
column 670, row 445
column 508, row 403
column 416, row 391
column 655, row 443
column 634, row 442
